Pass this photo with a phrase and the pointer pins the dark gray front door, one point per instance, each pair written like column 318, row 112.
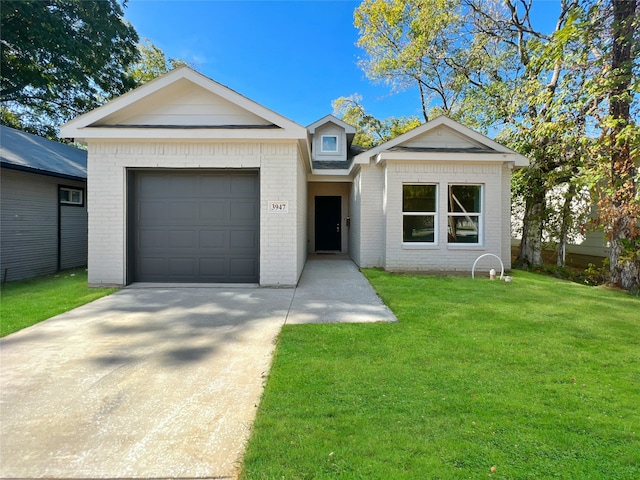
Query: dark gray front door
column 328, row 223
column 195, row 226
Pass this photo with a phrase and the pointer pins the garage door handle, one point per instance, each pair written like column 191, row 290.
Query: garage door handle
column 338, row 228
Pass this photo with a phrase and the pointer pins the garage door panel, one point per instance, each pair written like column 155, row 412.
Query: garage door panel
column 242, row 267
column 243, row 185
column 151, row 267
column 214, row 267
column 182, row 239
column 182, row 212
column 213, row 239
column 214, row 186
column 182, row 267
column 213, row 211
column 182, row 185
column 152, row 239
column 196, row 226
column 150, row 212
column 152, row 185
column 241, row 212
column 240, row 239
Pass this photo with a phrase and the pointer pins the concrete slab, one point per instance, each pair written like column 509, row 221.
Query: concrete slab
column 332, row 290
column 157, row 382
column 143, row 383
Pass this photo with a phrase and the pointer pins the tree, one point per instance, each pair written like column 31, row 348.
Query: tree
column 406, row 42
column 151, row 63
column 61, row 58
column 369, row 130
column 486, row 64
column 620, row 150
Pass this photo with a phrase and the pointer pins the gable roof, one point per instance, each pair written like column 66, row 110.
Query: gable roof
column 24, row 151
column 349, row 129
column 440, row 139
column 182, row 104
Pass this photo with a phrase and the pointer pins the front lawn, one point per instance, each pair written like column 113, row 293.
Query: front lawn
column 27, row 302
column 539, row 378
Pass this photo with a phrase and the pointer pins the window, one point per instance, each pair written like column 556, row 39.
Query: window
column 465, row 214
column 329, row 143
column 71, row 196
column 419, row 206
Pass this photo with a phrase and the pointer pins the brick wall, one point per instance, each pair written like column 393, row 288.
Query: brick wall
column 107, row 192
column 372, row 217
column 443, row 256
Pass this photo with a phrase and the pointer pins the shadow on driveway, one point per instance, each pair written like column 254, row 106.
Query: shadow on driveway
column 157, row 382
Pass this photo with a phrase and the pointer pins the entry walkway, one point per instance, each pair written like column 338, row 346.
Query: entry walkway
column 157, row 382
column 332, row 290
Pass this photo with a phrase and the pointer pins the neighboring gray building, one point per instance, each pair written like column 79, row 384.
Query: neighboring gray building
column 43, row 222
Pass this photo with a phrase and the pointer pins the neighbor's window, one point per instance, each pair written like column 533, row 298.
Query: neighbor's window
column 419, row 207
column 329, row 143
column 71, row 196
column 465, row 213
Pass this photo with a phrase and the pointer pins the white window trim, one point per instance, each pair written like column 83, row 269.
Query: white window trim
column 480, row 215
column 71, row 190
column 322, row 149
column 434, row 214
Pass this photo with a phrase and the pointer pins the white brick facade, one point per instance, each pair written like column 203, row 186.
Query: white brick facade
column 281, row 241
column 183, row 120
column 444, row 256
column 368, row 193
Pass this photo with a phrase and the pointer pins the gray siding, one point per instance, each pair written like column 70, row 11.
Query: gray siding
column 73, row 236
column 29, row 224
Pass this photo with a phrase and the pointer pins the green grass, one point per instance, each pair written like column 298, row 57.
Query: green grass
column 27, row 302
column 539, row 378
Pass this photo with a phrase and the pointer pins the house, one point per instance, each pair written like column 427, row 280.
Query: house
column 192, row 182
column 43, row 205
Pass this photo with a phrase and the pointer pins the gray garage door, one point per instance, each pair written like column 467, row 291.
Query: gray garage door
column 195, row 226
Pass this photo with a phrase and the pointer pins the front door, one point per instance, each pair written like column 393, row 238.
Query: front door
column 328, row 223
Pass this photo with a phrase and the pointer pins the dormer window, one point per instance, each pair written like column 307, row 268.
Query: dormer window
column 329, row 143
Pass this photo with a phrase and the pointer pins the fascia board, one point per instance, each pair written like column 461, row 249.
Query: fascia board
column 446, row 157
column 97, row 133
column 331, row 119
column 341, row 177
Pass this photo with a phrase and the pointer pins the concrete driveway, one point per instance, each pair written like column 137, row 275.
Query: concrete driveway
column 156, row 382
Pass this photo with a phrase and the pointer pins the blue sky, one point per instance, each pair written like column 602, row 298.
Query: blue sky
column 293, row 57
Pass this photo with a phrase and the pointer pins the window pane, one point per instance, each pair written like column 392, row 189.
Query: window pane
column 330, row 143
column 75, row 196
column 464, row 229
column 418, row 228
column 418, row 198
column 64, row 196
column 464, row 198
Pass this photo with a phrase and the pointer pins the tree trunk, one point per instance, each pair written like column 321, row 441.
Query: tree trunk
column 564, row 226
column 531, row 243
column 622, row 206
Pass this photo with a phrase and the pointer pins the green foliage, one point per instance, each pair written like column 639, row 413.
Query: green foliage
column 27, row 302
column 566, row 99
column 537, row 378
column 151, row 63
column 369, row 130
column 407, row 42
column 61, row 58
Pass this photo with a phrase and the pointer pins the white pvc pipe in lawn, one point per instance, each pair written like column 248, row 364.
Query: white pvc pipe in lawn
column 473, row 269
